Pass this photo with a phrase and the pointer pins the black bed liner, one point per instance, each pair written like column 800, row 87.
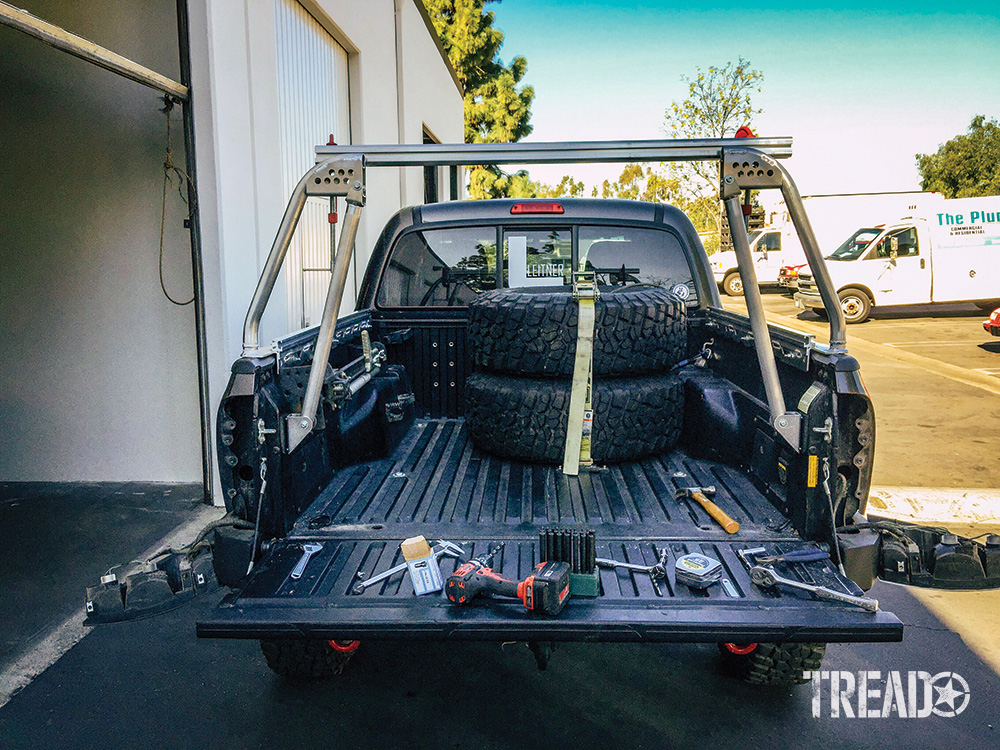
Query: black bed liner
column 437, row 485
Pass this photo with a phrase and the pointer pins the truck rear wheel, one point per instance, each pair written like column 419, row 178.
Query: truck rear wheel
column 525, row 418
column 774, row 663
column 855, row 304
column 733, row 284
column 307, row 658
column 532, row 332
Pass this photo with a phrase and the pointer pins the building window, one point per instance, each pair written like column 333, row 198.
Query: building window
column 431, row 189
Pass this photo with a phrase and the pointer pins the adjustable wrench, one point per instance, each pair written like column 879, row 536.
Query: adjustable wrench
column 308, row 550
column 767, row 578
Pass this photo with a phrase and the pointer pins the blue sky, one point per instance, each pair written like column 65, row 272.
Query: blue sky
column 861, row 87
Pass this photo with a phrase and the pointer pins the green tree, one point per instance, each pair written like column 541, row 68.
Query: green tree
column 497, row 109
column 968, row 165
column 567, row 188
column 640, row 183
column 719, row 101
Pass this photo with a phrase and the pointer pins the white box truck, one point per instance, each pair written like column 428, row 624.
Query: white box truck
column 832, row 217
column 949, row 254
column 771, row 249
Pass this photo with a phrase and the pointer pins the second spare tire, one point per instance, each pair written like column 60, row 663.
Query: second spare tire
column 525, row 419
column 532, row 332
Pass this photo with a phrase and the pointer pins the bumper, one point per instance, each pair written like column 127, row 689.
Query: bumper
column 993, row 330
column 808, row 301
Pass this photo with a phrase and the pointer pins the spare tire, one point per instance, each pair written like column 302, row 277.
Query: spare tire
column 638, row 330
column 525, row 418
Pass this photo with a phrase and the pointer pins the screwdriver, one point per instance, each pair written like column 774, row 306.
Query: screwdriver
column 798, row 556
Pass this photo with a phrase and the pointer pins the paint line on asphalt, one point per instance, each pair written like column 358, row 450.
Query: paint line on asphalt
column 936, row 506
column 929, row 343
column 856, row 344
column 61, row 638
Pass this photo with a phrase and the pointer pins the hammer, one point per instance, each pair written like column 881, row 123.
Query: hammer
column 698, row 494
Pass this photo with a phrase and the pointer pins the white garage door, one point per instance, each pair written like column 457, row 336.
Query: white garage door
column 313, row 104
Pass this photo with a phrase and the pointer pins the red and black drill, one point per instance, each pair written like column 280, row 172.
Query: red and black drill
column 544, row 591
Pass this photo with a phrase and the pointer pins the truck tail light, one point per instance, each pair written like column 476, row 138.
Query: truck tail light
column 537, row 207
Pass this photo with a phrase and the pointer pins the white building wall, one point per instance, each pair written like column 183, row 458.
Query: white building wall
column 244, row 120
column 238, row 127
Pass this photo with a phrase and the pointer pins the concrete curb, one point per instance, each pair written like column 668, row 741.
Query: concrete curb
column 936, row 506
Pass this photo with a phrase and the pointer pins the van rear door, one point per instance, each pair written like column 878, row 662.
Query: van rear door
column 966, row 260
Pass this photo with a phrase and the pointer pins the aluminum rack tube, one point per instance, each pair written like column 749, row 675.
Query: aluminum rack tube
column 268, row 277
column 820, row 274
column 463, row 154
column 755, row 309
column 300, row 425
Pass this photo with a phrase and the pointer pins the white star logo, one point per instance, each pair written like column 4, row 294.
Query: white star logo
column 948, row 694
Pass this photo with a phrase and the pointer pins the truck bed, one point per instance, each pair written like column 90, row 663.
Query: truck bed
column 436, row 484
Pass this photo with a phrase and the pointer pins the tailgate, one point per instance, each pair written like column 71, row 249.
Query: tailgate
column 629, row 608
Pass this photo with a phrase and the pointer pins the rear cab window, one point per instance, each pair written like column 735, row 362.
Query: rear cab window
column 449, row 267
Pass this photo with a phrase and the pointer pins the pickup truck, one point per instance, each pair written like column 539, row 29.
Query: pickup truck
column 442, row 407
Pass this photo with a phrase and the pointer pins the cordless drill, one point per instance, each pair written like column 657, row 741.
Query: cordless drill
column 544, row 591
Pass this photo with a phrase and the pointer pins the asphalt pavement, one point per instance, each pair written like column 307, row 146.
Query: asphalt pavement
column 152, row 683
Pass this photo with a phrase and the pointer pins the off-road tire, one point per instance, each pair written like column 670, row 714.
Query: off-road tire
column 525, row 418
column 304, row 658
column 533, row 332
column 776, row 663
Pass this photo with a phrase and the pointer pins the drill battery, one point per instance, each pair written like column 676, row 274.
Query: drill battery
column 545, row 591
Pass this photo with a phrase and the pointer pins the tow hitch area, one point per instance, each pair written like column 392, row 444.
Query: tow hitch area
column 919, row 556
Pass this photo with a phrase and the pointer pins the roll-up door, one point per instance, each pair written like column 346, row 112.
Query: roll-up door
column 313, row 104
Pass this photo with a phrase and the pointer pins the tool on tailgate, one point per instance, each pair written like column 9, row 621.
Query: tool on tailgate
column 697, row 571
column 442, row 547
column 545, row 591
column 308, row 550
column 796, row 556
column 577, row 547
column 769, row 578
column 656, row 572
column 425, row 574
column 700, row 495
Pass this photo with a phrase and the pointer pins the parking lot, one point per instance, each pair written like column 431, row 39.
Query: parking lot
column 932, row 377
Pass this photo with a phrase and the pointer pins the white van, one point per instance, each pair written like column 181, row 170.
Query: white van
column 950, row 255
column 770, row 248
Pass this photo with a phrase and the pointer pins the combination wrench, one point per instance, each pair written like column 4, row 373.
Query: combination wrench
column 768, row 578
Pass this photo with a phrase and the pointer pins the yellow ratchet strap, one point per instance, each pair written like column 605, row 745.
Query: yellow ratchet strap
column 581, row 413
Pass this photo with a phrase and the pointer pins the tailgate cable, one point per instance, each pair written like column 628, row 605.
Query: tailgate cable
column 260, row 504
column 833, row 517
